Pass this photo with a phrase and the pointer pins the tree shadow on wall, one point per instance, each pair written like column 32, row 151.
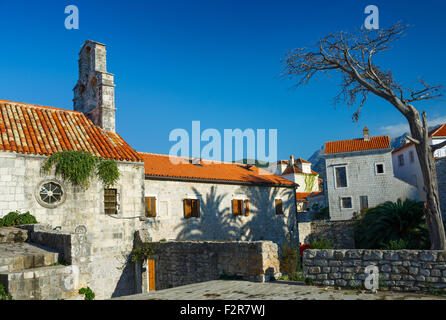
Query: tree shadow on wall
column 214, row 223
column 265, row 224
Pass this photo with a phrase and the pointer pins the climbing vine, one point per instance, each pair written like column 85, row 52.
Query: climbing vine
column 309, row 182
column 78, row 167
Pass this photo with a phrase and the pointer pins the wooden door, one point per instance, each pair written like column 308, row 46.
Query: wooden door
column 151, row 270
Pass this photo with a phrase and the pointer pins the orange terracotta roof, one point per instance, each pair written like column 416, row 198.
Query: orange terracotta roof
column 157, row 165
column 295, row 169
column 33, row 129
column 300, row 160
column 305, row 195
column 438, row 132
column 380, row 142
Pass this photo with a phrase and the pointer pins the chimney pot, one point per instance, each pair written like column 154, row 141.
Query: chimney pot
column 291, row 162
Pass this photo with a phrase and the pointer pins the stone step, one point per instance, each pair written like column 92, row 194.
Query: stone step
column 45, row 283
column 22, row 256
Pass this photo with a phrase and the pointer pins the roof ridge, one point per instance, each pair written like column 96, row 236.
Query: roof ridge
column 36, row 106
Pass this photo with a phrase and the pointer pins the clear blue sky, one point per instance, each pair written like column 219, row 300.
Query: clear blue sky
column 214, row 61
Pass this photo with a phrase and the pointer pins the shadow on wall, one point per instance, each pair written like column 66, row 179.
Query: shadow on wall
column 265, row 224
column 216, row 223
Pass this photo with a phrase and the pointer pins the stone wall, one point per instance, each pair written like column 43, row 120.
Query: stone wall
column 441, row 174
column 399, row 270
column 216, row 221
column 184, row 262
column 340, row 233
column 362, row 180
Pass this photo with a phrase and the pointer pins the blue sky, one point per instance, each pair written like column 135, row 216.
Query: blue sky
column 214, row 61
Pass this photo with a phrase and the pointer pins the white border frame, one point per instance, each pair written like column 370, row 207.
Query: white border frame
column 340, row 202
column 346, row 176
column 376, row 169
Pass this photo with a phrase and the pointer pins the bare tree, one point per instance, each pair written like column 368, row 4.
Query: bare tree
column 351, row 56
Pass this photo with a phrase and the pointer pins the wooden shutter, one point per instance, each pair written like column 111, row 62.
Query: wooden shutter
column 187, row 208
column 110, row 201
column 196, row 212
column 235, row 207
column 246, row 207
column 278, row 203
column 150, row 206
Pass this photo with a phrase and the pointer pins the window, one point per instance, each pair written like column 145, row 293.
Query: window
column 341, row 177
column 363, row 202
column 401, row 160
column 110, row 201
column 50, row 194
column 240, row 207
column 278, row 205
column 379, row 168
column 150, row 206
column 411, row 157
column 191, row 208
column 346, row 203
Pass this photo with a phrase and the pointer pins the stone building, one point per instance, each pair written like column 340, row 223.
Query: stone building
column 208, row 200
column 360, row 175
column 222, row 201
column 405, row 160
column 309, row 189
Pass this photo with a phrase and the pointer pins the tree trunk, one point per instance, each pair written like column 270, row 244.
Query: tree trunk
column 432, row 209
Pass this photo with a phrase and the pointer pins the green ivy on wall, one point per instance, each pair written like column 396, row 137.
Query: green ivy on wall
column 310, row 180
column 78, row 167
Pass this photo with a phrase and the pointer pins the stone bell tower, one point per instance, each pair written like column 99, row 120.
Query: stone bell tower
column 94, row 93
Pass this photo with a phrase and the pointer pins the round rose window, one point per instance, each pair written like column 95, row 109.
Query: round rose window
column 50, row 194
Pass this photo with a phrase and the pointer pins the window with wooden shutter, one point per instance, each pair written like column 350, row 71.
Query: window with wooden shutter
column 191, row 208
column 246, row 207
column 279, row 208
column 237, row 207
column 110, row 201
column 150, row 206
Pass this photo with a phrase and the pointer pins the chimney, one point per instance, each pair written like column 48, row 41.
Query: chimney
column 94, row 93
column 366, row 134
column 291, row 162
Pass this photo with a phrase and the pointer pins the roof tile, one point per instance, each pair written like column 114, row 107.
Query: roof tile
column 380, row 142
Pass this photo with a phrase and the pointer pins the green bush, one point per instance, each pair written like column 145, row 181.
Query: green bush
column 393, row 221
column 289, row 258
column 89, row 294
column 15, row 218
column 396, row 245
column 3, row 294
column 321, row 244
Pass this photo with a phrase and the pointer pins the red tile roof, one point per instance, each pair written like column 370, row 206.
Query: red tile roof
column 304, row 195
column 381, row 142
column 33, row 129
column 295, row 169
column 157, row 165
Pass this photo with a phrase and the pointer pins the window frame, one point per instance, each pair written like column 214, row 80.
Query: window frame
column 341, row 202
column 401, row 160
column 117, row 205
column 346, row 176
column 281, row 206
column 46, row 204
column 411, row 156
column 360, row 202
column 376, row 169
column 245, row 201
column 191, row 206
column 156, row 205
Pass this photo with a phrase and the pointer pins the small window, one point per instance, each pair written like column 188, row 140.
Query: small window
column 191, row 208
column 401, row 160
column 346, row 203
column 379, row 168
column 240, row 207
column 278, row 205
column 411, row 157
column 364, row 202
column 150, row 206
column 111, row 201
column 341, row 177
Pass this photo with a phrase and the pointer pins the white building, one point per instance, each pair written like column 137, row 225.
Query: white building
column 405, row 160
column 308, row 182
column 360, row 175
